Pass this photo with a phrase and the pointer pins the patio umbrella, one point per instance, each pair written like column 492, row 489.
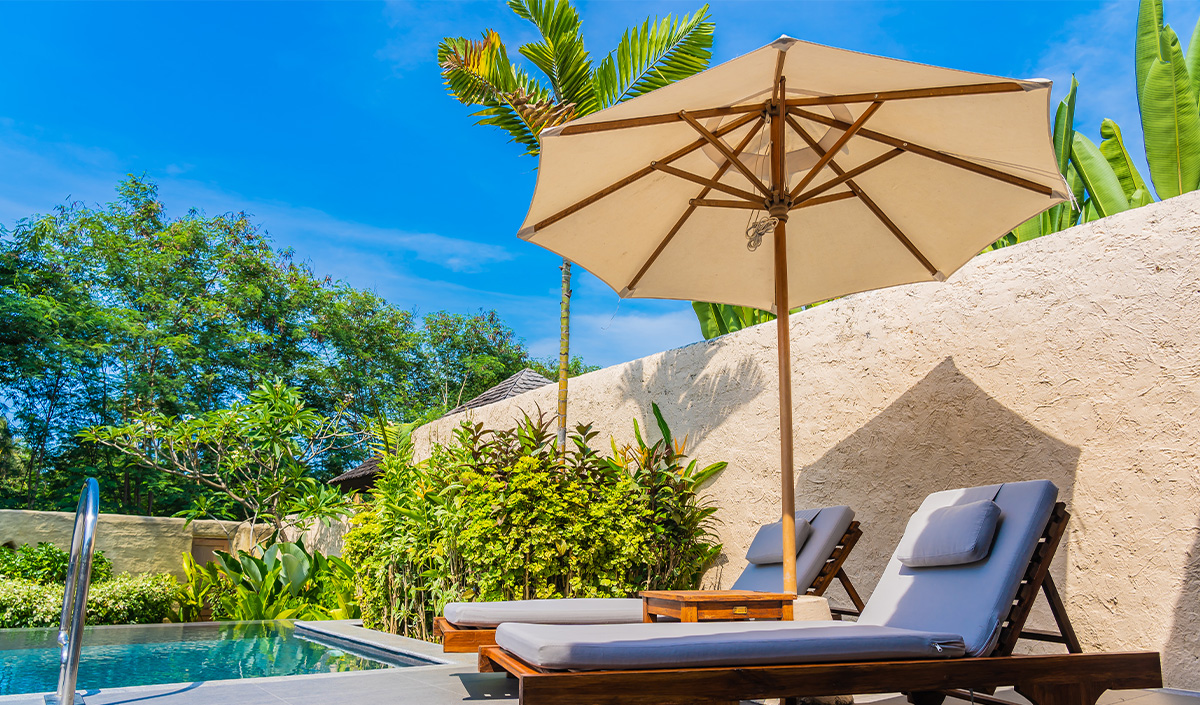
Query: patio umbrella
column 854, row 172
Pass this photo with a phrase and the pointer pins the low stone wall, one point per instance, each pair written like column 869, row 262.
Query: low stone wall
column 134, row 544
column 141, row 544
column 1075, row 357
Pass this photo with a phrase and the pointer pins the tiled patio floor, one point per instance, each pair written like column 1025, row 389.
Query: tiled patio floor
column 450, row 683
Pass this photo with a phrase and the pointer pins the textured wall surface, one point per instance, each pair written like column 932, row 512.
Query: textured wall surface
column 1075, row 357
column 134, row 544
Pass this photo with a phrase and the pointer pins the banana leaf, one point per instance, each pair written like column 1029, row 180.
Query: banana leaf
column 1145, row 52
column 1170, row 121
column 1113, row 149
column 1104, row 188
column 720, row 319
column 1193, row 59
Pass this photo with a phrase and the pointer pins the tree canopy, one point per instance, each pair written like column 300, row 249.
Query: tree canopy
column 111, row 313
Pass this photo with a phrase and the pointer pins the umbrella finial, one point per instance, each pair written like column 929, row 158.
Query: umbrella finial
column 783, row 43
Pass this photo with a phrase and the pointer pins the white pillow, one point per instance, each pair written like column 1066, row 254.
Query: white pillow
column 767, row 546
column 953, row 535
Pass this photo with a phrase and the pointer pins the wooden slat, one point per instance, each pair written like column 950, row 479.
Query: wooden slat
column 688, row 685
column 710, row 183
column 648, row 120
column 1059, row 610
column 828, row 156
column 929, row 153
column 938, row 92
column 715, row 140
column 687, row 213
column 1037, row 573
column 640, row 173
column 461, row 640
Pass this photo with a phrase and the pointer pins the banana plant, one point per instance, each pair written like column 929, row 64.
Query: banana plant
column 719, row 319
column 1167, row 91
column 480, row 74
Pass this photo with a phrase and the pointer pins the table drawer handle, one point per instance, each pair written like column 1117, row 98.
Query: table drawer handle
column 741, row 610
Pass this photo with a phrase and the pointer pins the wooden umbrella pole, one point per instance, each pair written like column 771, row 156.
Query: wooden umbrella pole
column 779, row 209
column 787, row 484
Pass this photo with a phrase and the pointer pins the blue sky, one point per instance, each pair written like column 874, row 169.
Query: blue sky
column 328, row 122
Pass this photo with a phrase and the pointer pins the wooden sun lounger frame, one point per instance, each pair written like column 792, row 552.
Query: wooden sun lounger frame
column 1062, row 679
column 462, row 640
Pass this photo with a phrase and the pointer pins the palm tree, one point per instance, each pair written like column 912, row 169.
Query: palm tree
column 479, row 73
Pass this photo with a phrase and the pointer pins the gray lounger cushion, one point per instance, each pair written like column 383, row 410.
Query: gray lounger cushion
column 609, row 610
column 692, row 644
column 952, row 536
column 969, row 600
column 767, row 546
column 828, row 527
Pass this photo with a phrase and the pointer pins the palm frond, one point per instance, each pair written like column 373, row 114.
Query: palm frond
column 560, row 54
column 654, row 55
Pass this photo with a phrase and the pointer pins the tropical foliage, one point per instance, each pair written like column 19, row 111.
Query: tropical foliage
column 256, row 454
column 125, row 599
column 285, row 582
column 479, row 73
column 46, row 563
column 499, row 515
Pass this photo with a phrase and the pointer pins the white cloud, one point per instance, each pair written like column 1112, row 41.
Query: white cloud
column 609, row 338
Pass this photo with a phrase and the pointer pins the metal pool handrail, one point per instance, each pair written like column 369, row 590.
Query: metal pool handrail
column 79, row 577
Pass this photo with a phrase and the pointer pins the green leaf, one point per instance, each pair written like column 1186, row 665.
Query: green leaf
column 1149, row 24
column 656, row 54
column 1064, row 127
column 560, row 54
column 1170, row 121
column 1193, row 59
column 1113, row 149
column 719, row 319
column 1029, row 230
column 1103, row 186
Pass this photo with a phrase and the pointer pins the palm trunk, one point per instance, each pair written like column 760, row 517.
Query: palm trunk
column 564, row 357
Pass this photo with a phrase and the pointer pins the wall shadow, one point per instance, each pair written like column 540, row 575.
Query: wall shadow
column 695, row 390
column 945, row 432
column 1181, row 655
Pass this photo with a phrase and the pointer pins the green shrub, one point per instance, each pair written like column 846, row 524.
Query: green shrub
column 47, row 564
column 285, row 582
column 497, row 515
column 125, row 599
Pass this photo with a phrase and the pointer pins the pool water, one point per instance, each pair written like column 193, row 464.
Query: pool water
column 121, row 656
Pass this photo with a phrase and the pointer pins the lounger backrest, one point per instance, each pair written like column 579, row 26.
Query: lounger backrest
column 970, row 600
column 828, row 527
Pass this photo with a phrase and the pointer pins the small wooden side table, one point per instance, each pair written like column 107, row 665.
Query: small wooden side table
column 715, row 605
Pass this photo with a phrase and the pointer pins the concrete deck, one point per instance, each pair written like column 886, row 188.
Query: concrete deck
column 450, row 682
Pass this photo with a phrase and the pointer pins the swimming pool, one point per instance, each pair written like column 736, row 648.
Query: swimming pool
column 151, row 654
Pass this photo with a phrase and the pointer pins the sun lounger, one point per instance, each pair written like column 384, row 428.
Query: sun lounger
column 945, row 616
column 831, row 534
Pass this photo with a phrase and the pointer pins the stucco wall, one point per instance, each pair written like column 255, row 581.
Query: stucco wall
column 1075, row 357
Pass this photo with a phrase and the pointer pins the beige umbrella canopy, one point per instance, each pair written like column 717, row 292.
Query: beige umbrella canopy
column 853, row 172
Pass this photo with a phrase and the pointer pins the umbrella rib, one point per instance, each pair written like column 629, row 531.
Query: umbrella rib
column 844, row 177
column 687, row 213
column 870, row 204
column 715, row 141
column 908, row 94
column 648, row 120
column 722, row 203
column 839, row 196
column 827, row 157
column 644, row 171
column 924, row 151
column 711, row 183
